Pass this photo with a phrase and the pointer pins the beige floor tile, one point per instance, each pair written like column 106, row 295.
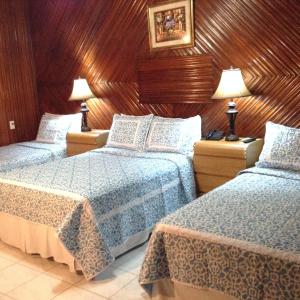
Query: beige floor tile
column 107, row 283
column 4, row 297
column 75, row 293
column 132, row 291
column 12, row 253
column 43, row 287
column 37, row 262
column 15, row 275
column 130, row 262
column 5, row 263
column 62, row 272
column 2, row 244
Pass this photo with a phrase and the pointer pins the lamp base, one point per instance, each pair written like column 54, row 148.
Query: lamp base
column 84, row 110
column 231, row 114
column 232, row 138
column 85, row 128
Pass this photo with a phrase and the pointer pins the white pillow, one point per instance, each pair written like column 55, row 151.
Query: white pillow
column 74, row 120
column 173, row 134
column 48, row 131
column 129, row 132
column 58, row 124
column 281, row 148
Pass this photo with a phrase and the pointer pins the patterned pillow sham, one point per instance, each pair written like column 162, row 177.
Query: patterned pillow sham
column 173, row 134
column 47, row 130
column 65, row 123
column 129, row 132
column 281, row 148
column 53, row 128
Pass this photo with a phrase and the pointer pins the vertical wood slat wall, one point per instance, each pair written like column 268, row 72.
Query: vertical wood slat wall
column 18, row 93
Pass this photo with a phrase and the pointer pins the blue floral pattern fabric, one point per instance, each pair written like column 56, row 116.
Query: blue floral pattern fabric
column 281, row 148
column 97, row 200
column 129, row 132
column 29, row 153
column 242, row 238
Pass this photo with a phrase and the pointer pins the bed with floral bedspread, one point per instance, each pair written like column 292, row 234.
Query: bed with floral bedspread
column 29, row 153
column 97, row 200
column 242, row 239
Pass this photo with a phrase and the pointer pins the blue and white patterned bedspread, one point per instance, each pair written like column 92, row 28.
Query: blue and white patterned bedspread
column 97, row 200
column 242, row 239
column 29, row 153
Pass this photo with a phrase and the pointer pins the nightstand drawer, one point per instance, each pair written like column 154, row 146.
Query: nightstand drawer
column 94, row 137
column 221, row 148
column 222, row 166
column 79, row 142
column 74, row 149
column 216, row 162
column 206, row 183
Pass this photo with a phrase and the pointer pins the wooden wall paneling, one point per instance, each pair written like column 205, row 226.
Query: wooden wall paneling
column 81, row 50
column 178, row 79
column 262, row 38
column 18, row 95
column 104, row 40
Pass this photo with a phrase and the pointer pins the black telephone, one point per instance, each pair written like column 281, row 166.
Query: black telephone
column 215, row 135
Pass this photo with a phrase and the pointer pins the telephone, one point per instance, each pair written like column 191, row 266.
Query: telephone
column 215, row 135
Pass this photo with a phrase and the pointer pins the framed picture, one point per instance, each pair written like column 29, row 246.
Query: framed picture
column 171, row 24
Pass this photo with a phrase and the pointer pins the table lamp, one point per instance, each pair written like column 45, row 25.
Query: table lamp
column 82, row 92
column 231, row 85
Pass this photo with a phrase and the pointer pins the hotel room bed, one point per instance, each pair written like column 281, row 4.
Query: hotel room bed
column 89, row 208
column 50, row 143
column 240, row 241
column 29, row 153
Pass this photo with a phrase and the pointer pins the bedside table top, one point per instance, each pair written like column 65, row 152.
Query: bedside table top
column 235, row 149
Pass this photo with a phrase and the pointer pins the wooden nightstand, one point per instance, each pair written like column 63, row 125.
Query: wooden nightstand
column 79, row 142
column 216, row 162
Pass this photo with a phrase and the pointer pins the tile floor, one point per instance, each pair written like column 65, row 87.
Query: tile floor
column 30, row 277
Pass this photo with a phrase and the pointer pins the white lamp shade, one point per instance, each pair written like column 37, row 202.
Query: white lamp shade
column 81, row 90
column 231, row 85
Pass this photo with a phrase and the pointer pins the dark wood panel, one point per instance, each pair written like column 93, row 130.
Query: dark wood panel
column 103, row 41
column 18, row 94
column 178, row 79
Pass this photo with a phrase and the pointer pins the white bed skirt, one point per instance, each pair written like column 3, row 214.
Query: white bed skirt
column 35, row 238
column 165, row 289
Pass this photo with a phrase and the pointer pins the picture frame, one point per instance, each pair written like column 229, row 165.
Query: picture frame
column 171, row 24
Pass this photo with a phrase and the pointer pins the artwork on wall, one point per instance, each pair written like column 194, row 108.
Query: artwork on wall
column 171, row 24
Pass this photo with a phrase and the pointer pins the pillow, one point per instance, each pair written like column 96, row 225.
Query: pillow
column 47, row 130
column 129, row 132
column 281, row 148
column 75, row 122
column 173, row 134
column 60, row 124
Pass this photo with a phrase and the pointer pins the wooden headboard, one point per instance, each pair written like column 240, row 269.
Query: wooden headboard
column 185, row 79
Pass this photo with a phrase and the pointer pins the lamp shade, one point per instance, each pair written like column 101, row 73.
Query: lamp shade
column 81, row 90
column 231, row 85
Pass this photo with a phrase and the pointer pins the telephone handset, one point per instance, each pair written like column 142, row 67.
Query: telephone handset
column 215, row 135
